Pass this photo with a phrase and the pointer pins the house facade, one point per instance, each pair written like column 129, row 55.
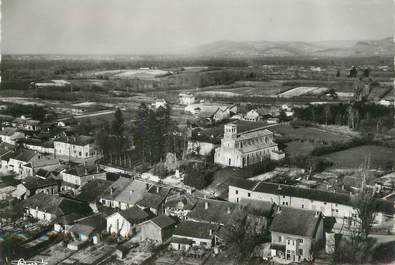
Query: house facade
column 337, row 205
column 158, row 229
column 246, row 148
column 11, row 135
column 190, row 233
column 76, row 147
column 186, row 98
column 125, row 223
column 79, row 175
column 296, row 235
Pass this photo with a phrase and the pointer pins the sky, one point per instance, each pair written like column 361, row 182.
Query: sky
column 162, row 26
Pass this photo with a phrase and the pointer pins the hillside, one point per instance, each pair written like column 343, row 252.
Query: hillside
column 382, row 47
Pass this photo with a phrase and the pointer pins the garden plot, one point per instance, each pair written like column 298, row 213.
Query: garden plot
column 304, row 91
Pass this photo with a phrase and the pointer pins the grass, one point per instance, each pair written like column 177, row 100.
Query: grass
column 310, row 133
column 380, row 157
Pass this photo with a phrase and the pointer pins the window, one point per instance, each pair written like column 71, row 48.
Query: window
column 289, row 242
column 280, row 239
column 300, row 240
column 300, row 252
column 249, row 194
column 237, row 199
column 302, row 206
column 236, row 191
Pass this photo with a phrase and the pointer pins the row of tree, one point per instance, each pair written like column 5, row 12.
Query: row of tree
column 352, row 115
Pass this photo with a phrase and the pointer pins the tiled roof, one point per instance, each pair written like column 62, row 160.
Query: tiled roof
column 216, row 212
column 257, row 206
column 134, row 215
column 296, row 222
column 81, row 170
column 79, row 140
column 55, row 204
column 32, row 183
column 195, row 230
column 126, row 190
column 163, row 221
column 151, row 200
column 25, row 155
column 184, row 202
column 92, row 190
column 8, row 131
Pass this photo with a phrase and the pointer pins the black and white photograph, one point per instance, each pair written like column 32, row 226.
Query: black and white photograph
column 197, row 132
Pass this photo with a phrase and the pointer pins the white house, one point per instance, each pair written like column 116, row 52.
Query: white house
column 124, row 193
column 48, row 207
column 79, row 175
column 11, row 135
column 189, row 233
column 186, row 98
column 125, row 223
column 296, row 235
column 76, row 147
column 338, row 205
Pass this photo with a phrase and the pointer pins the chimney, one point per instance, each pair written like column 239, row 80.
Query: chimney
column 317, row 214
column 86, row 170
column 147, row 186
column 111, row 190
column 97, row 168
column 210, row 232
column 130, row 194
column 157, row 189
column 205, row 205
column 228, row 210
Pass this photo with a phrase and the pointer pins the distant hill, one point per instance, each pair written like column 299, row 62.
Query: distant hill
column 382, row 47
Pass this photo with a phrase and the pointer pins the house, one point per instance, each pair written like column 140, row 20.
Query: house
column 6, row 151
column 179, row 205
column 211, row 211
column 26, row 124
column 224, row 112
column 76, row 147
column 65, row 222
column 125, row 222
column 11, row 135
column 6, row 192
column 189, row 233
column 48, row 207
column 25, row 162
column 78, row 175
column 44, row 147
column 385, row 183
column 245, row 148
column 296, row 235
column 87, row 229
column 159, row 103
column 158, row 229
column 186, row 98
column 124, row 193
column 154, row 198
column 331, row 204
column 91, row 191
column 34, row 185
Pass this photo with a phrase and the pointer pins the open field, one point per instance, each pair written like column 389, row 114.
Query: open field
column 310, row 134
column 304, row 91
column 353, row 158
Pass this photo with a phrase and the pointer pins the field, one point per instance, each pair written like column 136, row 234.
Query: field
column 305, row 139
column 310, row 134
column 304, row 91
column 380, row 157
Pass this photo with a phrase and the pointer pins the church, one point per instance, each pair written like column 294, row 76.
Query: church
column 246, row 148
